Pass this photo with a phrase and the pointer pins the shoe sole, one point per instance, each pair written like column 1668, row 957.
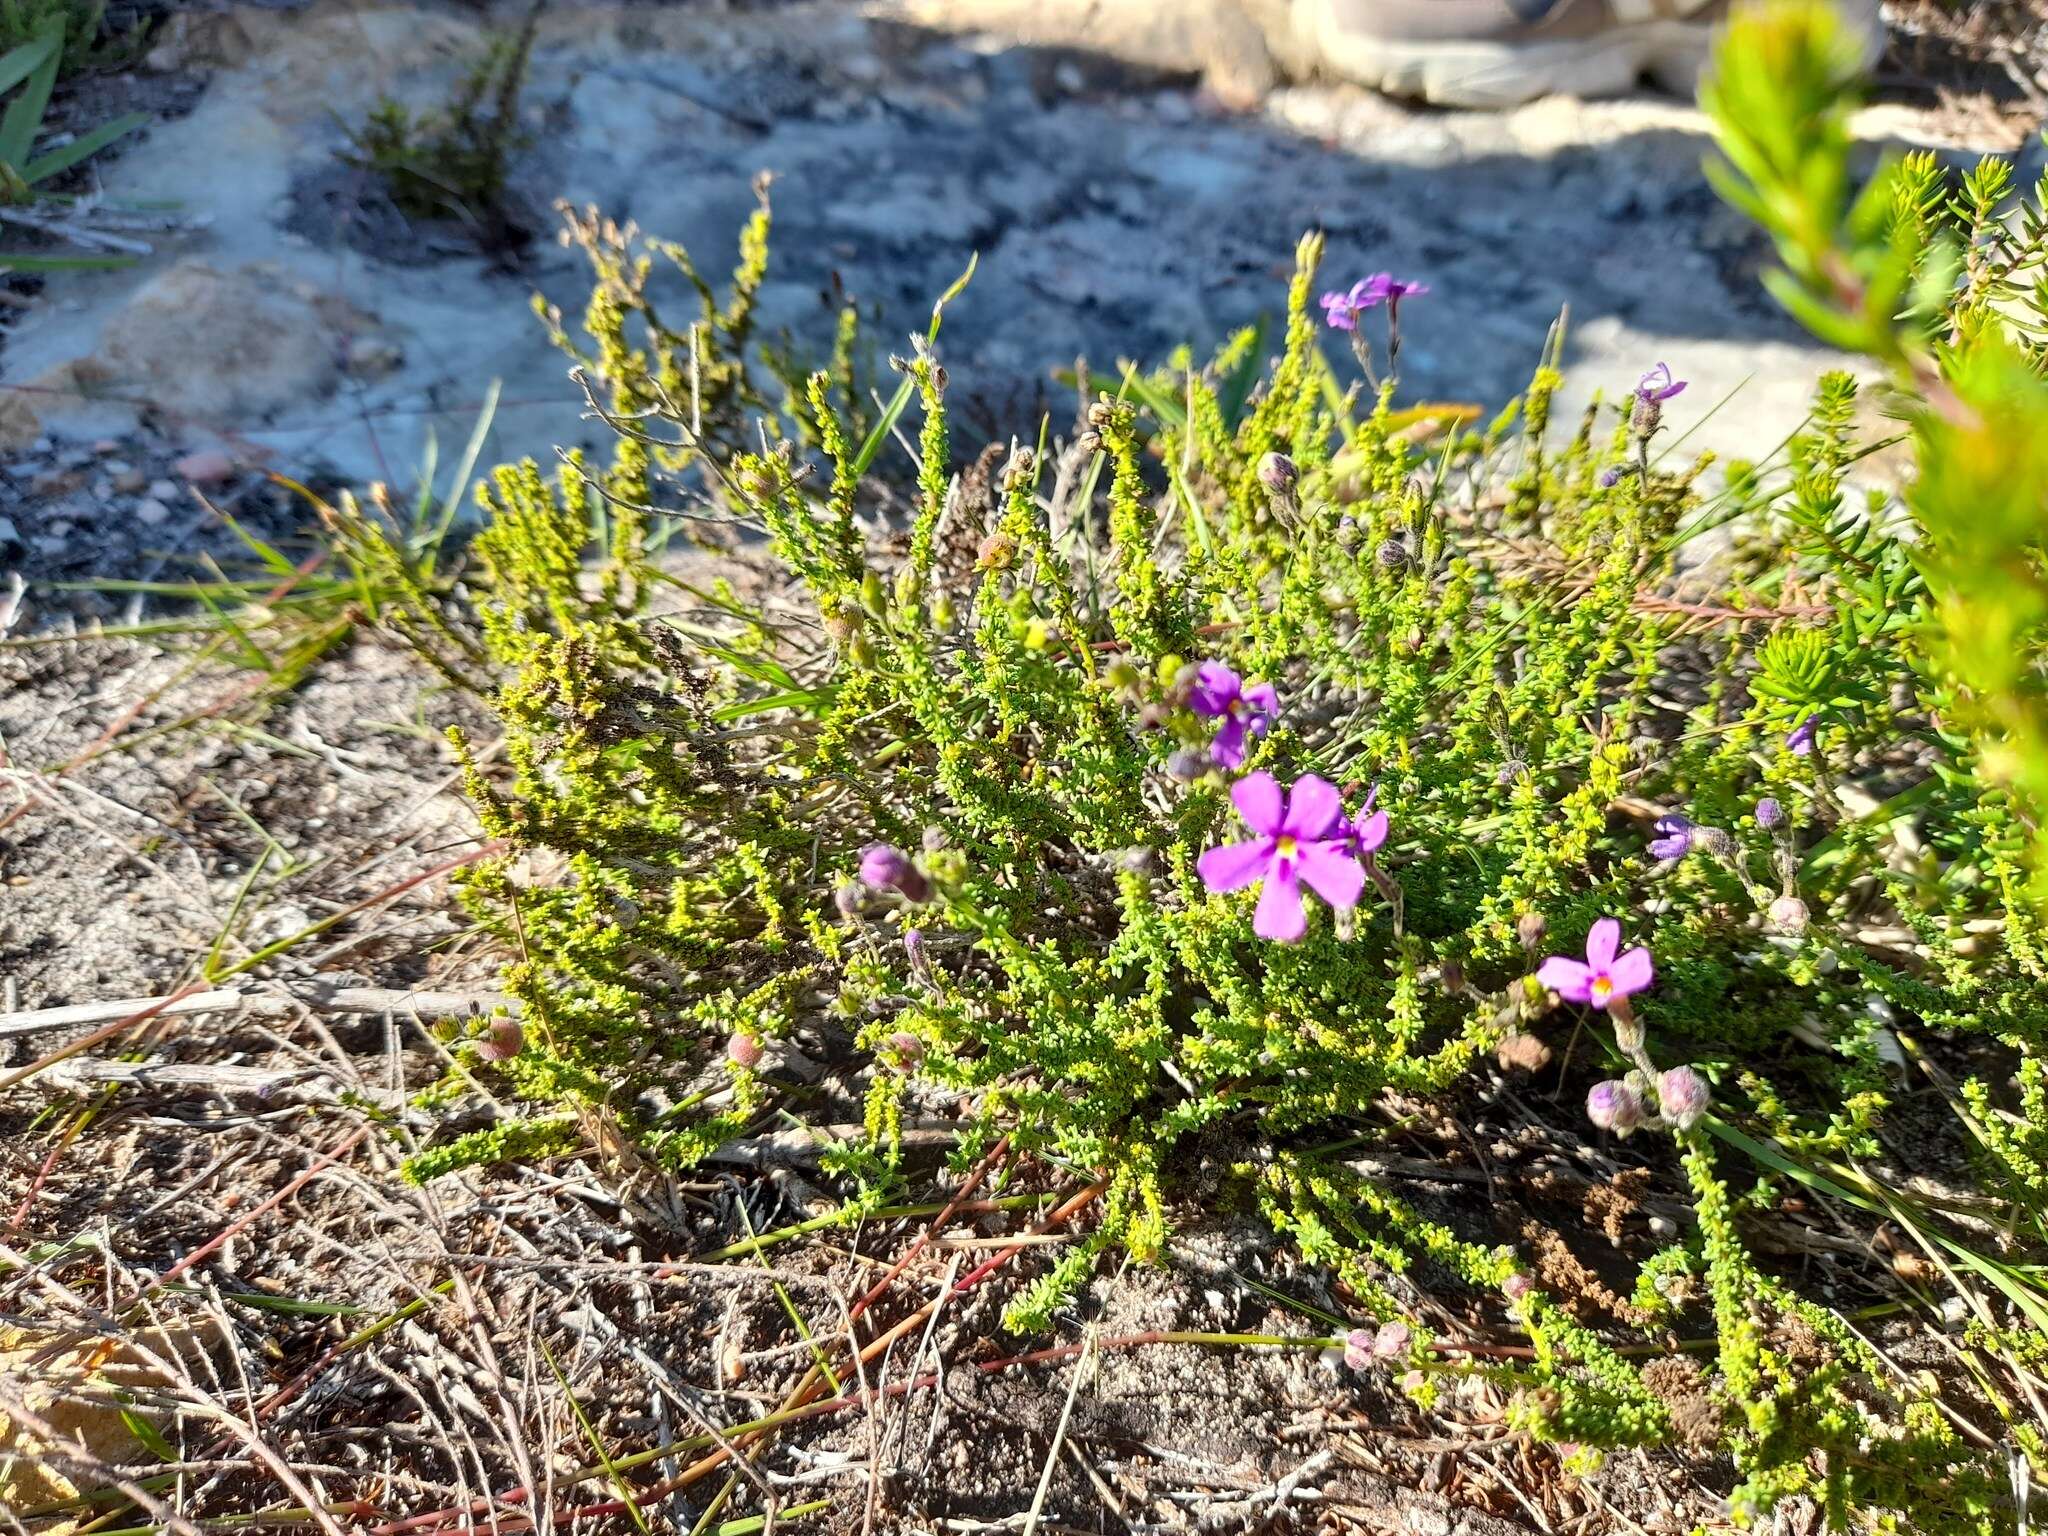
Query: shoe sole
column 1495, row 75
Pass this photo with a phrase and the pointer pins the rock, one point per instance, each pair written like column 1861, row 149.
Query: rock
column 163, row 490
column 150, row 511
column 228, row 347
column 128, row 480
column 209, row 466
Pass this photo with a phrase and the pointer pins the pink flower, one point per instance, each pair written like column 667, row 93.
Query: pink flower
column 1221, row 694
column 1302, row 837
column 1365, row 835
column 1602, row 976
column 1341, row 310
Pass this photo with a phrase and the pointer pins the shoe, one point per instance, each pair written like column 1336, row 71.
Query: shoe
column 1501, row 53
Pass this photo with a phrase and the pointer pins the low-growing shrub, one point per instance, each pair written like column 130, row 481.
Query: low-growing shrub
column 1164, row 799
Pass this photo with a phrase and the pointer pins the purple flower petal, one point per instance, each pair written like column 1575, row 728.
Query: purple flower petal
column 1569, row 979
column 1601, row 944
column 1265, row 703
column 1313, row 809
column 1233, row 866
column 1279, row 915
column 1331, row 873
column 1228, row 747
column 1216, row 689
column 1370, row 831
column 1259, row 801
column 1631, row 972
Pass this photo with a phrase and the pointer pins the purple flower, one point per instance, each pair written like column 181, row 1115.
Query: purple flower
column 1769, row 813
column 1302, row 836
column 1674, row 837
column 1341, row 310
column 1517, row 1287
column 1657, row 385
column 1385, row 287
column 1800, row 742
column 1221, row 694
column 1364, row 1348
column 1601, row 977
column 1683, row 1096
column 1365, row 834
column 1358, row 1348
column 888, row 868
column 1615, row 1106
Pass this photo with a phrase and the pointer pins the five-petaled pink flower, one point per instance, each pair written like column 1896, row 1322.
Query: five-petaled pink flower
column 1221, row 694
column 1302, row 838
column 1341, row 310
column 1602, row 976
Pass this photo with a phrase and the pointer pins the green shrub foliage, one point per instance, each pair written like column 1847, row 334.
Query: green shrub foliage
column 947, row 793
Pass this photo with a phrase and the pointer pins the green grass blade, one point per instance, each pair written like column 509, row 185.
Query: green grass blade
column 24, row 114
column 83, row 147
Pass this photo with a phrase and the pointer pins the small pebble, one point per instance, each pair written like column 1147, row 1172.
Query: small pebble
column 209, row 466
column 150, row 511
column 130, row 480
column 164, row 490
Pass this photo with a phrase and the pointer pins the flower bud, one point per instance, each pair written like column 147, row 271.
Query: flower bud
column 942, row 612
column 995, row 552
column 1610, row 477
column 1349, row 534
column 1392, row 554
column 888, row 868
column 1278, row 474
column 1020, row 467
column 1187, row 765
column 502, row 1040
column 1124, row 679
column 909, row 588
column 1714, row 840
column 743, row 1049
column 905, row 1051
column 1789, row 915
column 1517, row 1287
column 932, row 839
column 1769, row 814
column 916, row 954
column 1529, row 928
column 872, row 597
column 846, row 899
column 1683, row 1096
column 1141, row 861
column 1391, row 1341
column 1615, row 1106
column 1358, row 1348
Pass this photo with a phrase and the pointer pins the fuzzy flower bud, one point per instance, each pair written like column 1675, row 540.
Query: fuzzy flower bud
column 1610, row 477
column 1714, row 840
column 846, row 900
column 1789, row 915
column 743, row 1049
column 995, row 553
column 1615, row 1106
column 1517, row 1287
column 1683, row 1096
column 1769, row 814
column 904, row 1050
column 887, row 868
column 1391, row 1341
column 1187, row 765
column 1392, row 554
column 916, row 954
column 502, row 1040
column 1278, row 474
column 1530, row 928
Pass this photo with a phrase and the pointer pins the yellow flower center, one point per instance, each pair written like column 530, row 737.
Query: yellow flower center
column 1602, row 989
column 1285, row 846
